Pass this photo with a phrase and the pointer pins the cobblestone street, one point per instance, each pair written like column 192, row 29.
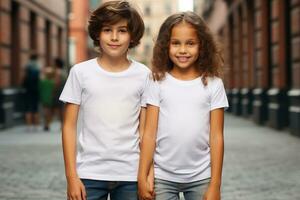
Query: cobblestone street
column 260, row 163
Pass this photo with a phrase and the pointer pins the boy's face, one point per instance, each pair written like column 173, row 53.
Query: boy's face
column 114, row 39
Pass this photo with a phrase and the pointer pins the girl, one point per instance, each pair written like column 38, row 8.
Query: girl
column 185, row 113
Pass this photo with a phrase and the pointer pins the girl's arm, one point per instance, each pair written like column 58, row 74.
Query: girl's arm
column 216, row 142
column 75, row 188
column 142, row 120
column 147, row 150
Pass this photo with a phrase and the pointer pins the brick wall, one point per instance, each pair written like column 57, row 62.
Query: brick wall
column 295, row 43
column 18, row 38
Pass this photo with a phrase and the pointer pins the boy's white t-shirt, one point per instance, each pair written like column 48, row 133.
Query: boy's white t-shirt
column 110, row 103
column 182, row 151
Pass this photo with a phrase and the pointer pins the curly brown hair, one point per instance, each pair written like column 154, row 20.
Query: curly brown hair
column 210, row 60
column 112, row 12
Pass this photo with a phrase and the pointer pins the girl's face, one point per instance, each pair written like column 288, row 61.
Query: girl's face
column 114, row 39
column 184, row 46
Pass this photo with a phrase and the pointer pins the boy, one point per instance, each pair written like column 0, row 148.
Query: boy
column 108, row 91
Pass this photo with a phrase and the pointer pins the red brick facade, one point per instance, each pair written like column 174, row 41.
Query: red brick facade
column 262, row 55
column 26, row 26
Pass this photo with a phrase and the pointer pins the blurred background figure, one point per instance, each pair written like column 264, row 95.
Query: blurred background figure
column 46, row 91
column 30, row 83
column 60, row 77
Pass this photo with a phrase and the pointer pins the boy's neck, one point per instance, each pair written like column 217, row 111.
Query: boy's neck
column 113, row 64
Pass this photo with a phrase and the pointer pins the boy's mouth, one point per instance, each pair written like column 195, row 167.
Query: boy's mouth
column 114, row 46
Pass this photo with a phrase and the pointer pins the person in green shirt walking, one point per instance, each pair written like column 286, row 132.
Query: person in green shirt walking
column 46, row 88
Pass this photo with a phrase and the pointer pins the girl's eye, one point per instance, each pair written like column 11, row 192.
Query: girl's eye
column 175, row 43
column 191, row 43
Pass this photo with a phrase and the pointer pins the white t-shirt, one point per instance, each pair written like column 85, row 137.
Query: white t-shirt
column 110, row 103
column 182, row 147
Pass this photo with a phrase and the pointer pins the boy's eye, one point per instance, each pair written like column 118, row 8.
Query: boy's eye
column 123, row 30
column 106, row 29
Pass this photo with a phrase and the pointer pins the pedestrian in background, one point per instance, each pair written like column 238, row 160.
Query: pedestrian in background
column 185, row 113
column 31, row 86
column 46, row 89
column 60, row 77
column 109, row 92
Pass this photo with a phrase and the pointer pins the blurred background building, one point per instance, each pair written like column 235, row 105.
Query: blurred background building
column 154, row 13
column 260, row 39
column 39, row 26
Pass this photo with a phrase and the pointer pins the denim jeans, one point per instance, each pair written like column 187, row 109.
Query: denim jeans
column 167, row 190
column 118, row 190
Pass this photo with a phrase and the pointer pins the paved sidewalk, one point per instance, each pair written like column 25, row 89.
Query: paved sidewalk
column 31, row 165
column 260, row 163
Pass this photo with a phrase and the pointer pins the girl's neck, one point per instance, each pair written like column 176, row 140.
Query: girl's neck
column 185, row 74
column 113, row 64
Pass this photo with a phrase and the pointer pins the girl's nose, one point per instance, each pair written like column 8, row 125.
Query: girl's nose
column 182, row 49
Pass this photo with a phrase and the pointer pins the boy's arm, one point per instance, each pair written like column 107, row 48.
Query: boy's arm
column 216, row 142
column 76, row 189
column 147, row 150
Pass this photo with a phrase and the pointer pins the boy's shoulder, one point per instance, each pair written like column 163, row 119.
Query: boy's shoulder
column 84, row 65
column 140, row 67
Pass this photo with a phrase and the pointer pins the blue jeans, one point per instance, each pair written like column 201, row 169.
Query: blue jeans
column 118, row 190
column 167, row 190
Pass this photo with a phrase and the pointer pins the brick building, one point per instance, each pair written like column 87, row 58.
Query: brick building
column 262, row 55
column 26, row 26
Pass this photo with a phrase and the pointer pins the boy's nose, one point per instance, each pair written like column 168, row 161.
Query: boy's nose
column 114, row 36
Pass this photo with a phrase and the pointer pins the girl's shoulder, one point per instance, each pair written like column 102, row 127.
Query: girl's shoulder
column 213, row 80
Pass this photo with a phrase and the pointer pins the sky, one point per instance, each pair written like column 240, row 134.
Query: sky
column 185, row 5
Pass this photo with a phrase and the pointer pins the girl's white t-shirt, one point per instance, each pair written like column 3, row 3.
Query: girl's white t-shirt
column 182, row 147
column 110, row 103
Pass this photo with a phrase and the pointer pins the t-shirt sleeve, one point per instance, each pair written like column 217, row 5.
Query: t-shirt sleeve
column 72, row 90
column 153, row 93
column 144, row 95
column 218, row 96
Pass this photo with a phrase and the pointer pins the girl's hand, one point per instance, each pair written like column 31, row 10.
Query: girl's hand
column 150, row 180
column 212, row 193
column 146, row 189
column 75, row 189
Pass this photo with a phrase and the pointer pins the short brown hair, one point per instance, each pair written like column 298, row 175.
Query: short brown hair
column 112, row 12
column 210, row 59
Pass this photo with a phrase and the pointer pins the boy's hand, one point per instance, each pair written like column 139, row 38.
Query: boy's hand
column 212, row 193
column 146, row 189
column 76, row 189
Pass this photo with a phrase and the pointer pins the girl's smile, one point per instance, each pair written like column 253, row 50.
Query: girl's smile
column 183, row 59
